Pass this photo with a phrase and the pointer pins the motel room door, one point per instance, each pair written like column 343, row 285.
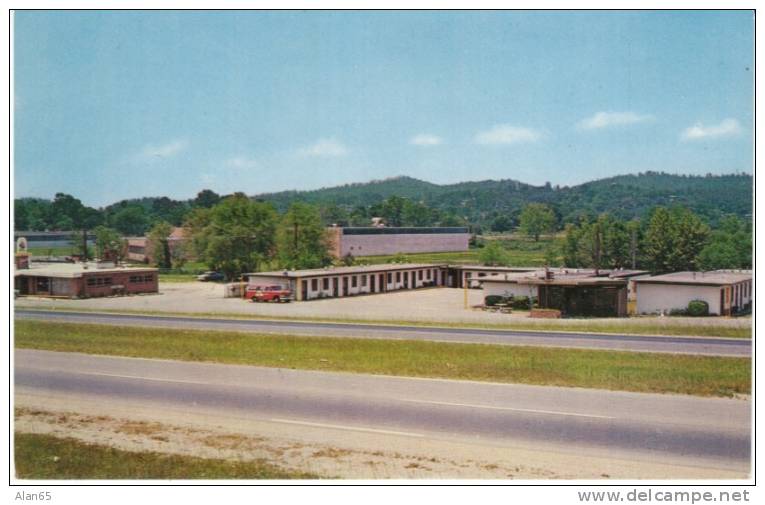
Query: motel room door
column 345, row 286
column 383, row 287
column 372, row 283
column 335, row 287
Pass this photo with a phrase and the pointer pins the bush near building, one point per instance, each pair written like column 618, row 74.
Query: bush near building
column 698, row 308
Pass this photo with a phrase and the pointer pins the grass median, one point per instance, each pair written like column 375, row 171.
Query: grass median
column 704, row 327
column 47, row 457
column 627, row 371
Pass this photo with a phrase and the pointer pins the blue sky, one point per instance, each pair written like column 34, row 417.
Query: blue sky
column 113, row 105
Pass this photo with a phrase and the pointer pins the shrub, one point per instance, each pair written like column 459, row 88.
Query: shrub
column 492, row 300
column 678, row 312
column 697, row 308
column 522, row 302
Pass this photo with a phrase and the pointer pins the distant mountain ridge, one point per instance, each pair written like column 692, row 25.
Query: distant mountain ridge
column 626, row 196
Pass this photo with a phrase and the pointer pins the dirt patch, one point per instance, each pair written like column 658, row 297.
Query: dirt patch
column 327, row 461
column 326, row 452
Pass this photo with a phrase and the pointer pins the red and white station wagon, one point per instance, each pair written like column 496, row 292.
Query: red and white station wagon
column 268, row 293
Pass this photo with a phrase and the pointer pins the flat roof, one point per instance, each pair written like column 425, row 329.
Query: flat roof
column 494, row 269
column 713, row 278
column 402, row 230
column 361, row 269
column 74, row 270
column 563, row 273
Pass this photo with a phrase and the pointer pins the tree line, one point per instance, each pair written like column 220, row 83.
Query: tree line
column 671, row 239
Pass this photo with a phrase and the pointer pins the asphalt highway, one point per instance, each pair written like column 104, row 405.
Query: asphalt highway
column 708, row 432
column 711, row 346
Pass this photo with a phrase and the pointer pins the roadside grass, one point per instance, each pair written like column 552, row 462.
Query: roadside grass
column 52, row 251
column 705, row 327
column 626, row 371
column 47, row 457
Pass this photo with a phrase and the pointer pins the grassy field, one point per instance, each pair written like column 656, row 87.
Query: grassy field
column 521, row 252
column 47, row 457
column 643, row 372
column 52, row 251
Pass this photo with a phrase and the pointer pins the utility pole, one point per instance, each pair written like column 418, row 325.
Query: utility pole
column 633, row 247
column 296, row 238
column 85, row 244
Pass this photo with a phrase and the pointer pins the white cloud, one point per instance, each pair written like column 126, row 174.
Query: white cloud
column 507, row 134
column 426, row 140
column 324, row 148
column 242, row 162
column 606, row 119
column 698, row 131
column 164, row 150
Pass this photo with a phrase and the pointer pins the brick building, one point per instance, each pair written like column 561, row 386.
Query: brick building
column 84, row 280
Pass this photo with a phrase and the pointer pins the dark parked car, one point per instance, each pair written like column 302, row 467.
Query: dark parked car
column 211, row 276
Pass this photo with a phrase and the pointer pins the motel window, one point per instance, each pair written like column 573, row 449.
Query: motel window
column 135, row 279
column 314, row 284
column 363, row 281
column 398, row 276
column 390, row 278
column 146, row 278
column 325, row 283
column 354, row 281
column 91, row 281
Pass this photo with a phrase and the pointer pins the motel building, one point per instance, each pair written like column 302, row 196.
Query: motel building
column 81, row 280
column 337, row 282
column 725, row 291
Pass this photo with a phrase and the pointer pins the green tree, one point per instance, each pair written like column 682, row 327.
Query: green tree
column 493, row 254
column 109, row 243
column 302, row 240
column 235, row 236
column 673, row 240
column 572, row 256
column 131, row 220
column 159, row 243
column 502, row 223
column 537, row 219
column 206, row 199
column 729, row 247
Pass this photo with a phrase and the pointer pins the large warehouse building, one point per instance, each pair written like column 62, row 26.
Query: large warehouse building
column 376, row 241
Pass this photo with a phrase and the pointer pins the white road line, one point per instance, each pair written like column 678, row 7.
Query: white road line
column 155, row 379
column 349, row 428
column 512, row 409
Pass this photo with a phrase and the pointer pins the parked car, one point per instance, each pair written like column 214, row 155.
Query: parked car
column 211, row 276
column 268, row 293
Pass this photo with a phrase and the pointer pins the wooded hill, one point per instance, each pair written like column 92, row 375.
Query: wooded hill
column 624, row 196
column 484, row 205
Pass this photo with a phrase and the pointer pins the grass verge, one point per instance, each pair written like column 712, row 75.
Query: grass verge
column 47, row 457
column 626, row 371
column 628, row 326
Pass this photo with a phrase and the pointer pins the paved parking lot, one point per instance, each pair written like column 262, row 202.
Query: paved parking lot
column 444, row 305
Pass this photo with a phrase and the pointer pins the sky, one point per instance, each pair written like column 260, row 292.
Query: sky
column 126, row 104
